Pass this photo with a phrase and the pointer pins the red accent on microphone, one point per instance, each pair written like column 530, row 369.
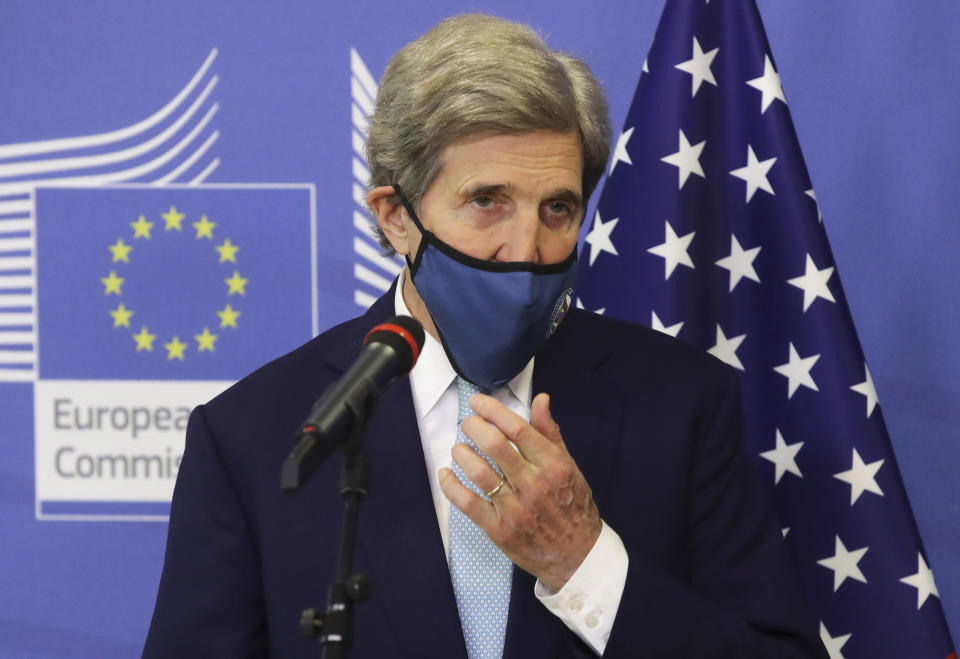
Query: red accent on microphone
column 403, row 333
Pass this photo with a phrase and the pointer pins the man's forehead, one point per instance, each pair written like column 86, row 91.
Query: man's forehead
column 549, row 160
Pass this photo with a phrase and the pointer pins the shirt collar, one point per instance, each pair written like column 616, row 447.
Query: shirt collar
column 433, row 374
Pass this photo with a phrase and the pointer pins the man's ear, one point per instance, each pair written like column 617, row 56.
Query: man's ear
column 389, row 214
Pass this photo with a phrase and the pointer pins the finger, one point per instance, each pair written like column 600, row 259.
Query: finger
column 542, row 420
column 466, row 500
column 495, row 444
column 475, row 467
column 533, row 446
column 516, row 469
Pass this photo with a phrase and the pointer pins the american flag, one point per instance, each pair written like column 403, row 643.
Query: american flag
column 708, row 229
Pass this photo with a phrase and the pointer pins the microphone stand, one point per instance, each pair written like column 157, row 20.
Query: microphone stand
column 334, row 629
column 338, row 418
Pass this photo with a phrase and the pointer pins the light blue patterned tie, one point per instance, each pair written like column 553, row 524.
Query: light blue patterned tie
column 481, row 573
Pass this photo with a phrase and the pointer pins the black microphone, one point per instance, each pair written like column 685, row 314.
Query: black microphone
column 389, row 351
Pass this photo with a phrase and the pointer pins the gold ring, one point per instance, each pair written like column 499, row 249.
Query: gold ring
column 496, row 489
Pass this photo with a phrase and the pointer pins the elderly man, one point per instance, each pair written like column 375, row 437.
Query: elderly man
column 481, row 533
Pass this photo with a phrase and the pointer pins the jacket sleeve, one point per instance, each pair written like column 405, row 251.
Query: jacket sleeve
column 738, row 596
column 209, row 602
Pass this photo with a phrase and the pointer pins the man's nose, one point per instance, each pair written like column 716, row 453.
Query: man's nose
column 521, row 243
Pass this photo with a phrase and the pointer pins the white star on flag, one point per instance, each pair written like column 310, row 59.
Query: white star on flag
column 844, row 564
column 698, row 67
column 599, row 311
column 797, row 371
column 739, row 263
column 813, row 283
column 656, row 324
column 620, row 151
column 784, row 458
column 686, row 160
column 867, row 389
column 769, row 85
column 755, row 173
column 862, row 477
column 833, row 644
column 673, row 251
column 922, row 581
column 813, row 195
column 599, row 237
column 726, row 349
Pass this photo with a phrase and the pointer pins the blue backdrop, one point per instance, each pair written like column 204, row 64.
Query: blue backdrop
column 276, row 94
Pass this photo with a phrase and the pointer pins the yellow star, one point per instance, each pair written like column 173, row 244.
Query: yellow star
column 228, row 317
column 144, row 340
column 120, row 251
column 172, row 218
column 204, row 228
column 141, row 228
column 112, row 283
column 228, row 251
column 205, row 341
column 237, row 284
column 121, row 316
column 175, row 348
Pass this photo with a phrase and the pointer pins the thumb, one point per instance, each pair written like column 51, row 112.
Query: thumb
column 541, row 419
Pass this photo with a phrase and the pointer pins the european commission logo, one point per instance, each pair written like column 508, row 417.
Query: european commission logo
column 150, row 301
column 131, row 290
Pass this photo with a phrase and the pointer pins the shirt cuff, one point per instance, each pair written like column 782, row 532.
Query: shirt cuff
column 587, row 604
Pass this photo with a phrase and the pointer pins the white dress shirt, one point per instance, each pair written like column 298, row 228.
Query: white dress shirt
column 588, row 602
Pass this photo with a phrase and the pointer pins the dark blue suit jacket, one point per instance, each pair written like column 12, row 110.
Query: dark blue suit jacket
column 654, row 426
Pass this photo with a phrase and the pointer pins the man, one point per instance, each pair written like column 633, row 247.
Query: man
column 598, row 500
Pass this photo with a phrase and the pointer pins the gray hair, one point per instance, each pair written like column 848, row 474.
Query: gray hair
column 474, row 74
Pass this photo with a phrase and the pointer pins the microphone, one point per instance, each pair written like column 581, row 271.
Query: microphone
column 389, row 351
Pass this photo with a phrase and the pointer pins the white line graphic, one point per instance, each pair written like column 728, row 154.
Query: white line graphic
column 69, row 143
column 16, row 263
column 15, row 281
column 370, row 284
column 10, row 226
column 16, row 338
column 367, row 251
column 99, row 160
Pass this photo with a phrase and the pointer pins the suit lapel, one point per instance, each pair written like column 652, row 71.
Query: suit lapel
column 587, row 406
column 588, row 411
column 398, row 537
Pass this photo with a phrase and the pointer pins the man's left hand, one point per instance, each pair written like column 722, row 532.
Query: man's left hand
column 543, row 518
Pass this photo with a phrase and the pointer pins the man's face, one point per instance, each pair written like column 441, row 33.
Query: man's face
column 507, row 197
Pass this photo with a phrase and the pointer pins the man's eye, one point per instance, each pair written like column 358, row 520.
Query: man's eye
column 483, row 201
column 559, row 207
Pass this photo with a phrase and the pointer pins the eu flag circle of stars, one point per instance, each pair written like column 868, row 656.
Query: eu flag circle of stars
column 143, row 340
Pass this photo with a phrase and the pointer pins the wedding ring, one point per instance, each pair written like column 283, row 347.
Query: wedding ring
column 496, row 489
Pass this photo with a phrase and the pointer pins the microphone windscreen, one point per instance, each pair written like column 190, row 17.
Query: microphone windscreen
column 404, row 334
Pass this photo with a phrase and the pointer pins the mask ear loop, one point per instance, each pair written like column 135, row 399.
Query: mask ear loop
column 424, row 234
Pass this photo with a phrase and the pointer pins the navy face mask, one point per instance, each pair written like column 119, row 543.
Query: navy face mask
column 492, row 317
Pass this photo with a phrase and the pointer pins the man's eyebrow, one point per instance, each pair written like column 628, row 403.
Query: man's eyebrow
column 564, row 194
column 481, row 189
